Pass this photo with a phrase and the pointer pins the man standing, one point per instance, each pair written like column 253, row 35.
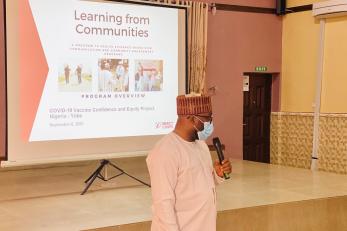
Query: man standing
column 120, row 70
column 79, row 73
column 182, row 176
column 126, row 80
column 119, row 81
column 138, row 75
column 144, row 82
column 67, row 74
column 105, row 79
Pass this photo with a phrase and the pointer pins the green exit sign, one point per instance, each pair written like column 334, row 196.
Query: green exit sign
column 261, row 68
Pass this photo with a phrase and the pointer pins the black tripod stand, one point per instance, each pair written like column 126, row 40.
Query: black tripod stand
column 97, row 174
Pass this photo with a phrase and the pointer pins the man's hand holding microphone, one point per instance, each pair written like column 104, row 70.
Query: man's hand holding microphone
column 222, row 167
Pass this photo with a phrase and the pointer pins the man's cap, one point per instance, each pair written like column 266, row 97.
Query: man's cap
column 193, row 104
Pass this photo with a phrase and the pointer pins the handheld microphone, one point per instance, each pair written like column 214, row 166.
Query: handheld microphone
column 218, row 146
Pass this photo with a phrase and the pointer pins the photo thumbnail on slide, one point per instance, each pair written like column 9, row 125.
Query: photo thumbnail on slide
column 74, row 76
column 113, row 75
column 149, row 75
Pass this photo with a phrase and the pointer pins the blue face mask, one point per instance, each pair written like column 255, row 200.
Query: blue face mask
column 207, row 131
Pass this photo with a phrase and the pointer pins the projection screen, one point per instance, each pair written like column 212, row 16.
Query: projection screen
column 91, row 79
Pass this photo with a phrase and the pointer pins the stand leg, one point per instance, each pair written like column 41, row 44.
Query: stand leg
column 137, row 179
column 123, row 172
column 98, row 170
column 95, row 174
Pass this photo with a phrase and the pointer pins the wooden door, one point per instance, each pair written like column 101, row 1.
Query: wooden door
column 256, row 118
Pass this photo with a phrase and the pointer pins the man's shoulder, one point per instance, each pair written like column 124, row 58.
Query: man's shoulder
column 166, row 142
column 164, row 147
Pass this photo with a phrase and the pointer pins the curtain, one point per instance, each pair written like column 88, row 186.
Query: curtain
column 197, row 42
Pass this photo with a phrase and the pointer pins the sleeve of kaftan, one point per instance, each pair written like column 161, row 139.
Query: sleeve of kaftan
column 163, row 170
column 217, row 179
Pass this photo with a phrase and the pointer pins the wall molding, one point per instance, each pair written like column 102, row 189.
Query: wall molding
column 297, row 9
column 248, row 9
column 261, row 10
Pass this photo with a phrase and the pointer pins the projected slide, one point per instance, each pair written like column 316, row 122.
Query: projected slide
column 96, row 70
